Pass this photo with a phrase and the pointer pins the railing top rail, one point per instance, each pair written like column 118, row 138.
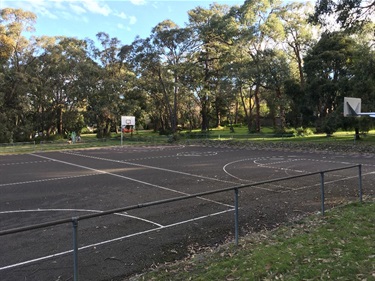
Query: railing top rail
column 164, row 201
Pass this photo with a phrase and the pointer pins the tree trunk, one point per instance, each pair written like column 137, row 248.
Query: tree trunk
column 257, row 107
column 281, row 109
column 204, row 114
column 247, row 111
column 357, row 135
column 60, row 125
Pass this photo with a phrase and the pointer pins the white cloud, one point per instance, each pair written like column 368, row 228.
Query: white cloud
column 121, row 26
column 45, row 12
column 77, row 9
column 133, row 19
column 97, row 7
column 138, row 2
column 121, row 15
column 39, row 7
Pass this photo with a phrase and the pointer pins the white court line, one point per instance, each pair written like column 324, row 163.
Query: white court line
column 328, row 182
column 237, row 161
column 248, row 159
column 45, row 180
column 131, row 179
column 286, row 169
column 147, row 166
column 113, row 240
column 80, row 210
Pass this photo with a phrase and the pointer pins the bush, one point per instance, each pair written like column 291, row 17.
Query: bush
column 173, row 138
column 285, row 133
column 304, row 131
column 87, row 130
column 165, row 132
column 198, row 135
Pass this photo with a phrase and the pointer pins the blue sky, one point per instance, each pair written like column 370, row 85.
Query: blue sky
column 124, row 19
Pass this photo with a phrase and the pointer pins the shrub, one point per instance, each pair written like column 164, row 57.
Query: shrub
column 304, row 131
column 173, row 138
column 285, row 133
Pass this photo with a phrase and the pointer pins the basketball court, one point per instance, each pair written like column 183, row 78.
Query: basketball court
column 47, row 186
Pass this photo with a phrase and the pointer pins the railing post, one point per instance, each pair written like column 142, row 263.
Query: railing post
column 236, row 215
column 360, row 181
column 322, row 190
column 75, row 247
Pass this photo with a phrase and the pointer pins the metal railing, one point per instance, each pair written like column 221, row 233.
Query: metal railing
column 75, row 220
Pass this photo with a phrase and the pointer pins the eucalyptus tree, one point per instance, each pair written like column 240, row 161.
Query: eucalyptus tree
column 159, row 64
column 350, row 15
column 327, row 67
column 16, row 54
column 258, row 27
column 152, row 79
column 296, row 39
column 41, row 86
column 275, row 70
column 106, row 100
column 211, row 30
column 238, row 71
column 298, row 34
column 61, row 75
column 173, row 46
column 362, row 84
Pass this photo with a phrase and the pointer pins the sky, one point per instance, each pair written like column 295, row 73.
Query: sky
column 123, row 19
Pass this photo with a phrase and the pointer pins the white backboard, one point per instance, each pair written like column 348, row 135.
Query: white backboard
column 352, row 106
column 127, row 120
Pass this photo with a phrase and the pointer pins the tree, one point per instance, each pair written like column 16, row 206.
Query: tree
column 152, row 78
column 61, row 79
column 276, row 72
column 173, row 46
column 259, row 28
column 362, row 85
column 327, row 67
column 105, row 101
column 211, row 29
column 298, row 35
column 350, row 14
column 16, row 54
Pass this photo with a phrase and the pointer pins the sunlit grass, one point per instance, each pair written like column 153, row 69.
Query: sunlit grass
column 339, row 246
column 268, row 134
column 149, row 137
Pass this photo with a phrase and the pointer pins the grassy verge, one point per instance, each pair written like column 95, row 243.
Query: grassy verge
column 87, row 141
column 339, row 246
column 220, row 134
column 267, row 134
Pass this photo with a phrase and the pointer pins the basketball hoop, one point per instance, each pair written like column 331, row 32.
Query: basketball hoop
column 127, row 129
column 127, row 125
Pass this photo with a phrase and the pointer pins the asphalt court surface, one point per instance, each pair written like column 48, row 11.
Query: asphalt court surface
column 43, row 187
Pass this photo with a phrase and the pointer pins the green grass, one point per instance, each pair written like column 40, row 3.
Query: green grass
column 339, row 246
column 268, row 134
column 220, row 134
column 87, row 141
